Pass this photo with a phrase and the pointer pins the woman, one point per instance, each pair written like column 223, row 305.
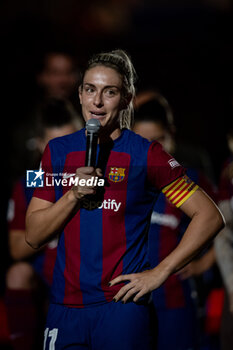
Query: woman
column 102, row 251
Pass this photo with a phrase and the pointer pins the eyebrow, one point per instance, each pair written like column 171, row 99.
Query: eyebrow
column 107, row 86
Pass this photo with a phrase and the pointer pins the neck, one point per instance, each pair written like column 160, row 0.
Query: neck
column 106, row 137
column 109, row 133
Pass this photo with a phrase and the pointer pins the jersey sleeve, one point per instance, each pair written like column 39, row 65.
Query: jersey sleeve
column 180, row 190
column 166, row 174
column 17, row 208
column 46, row 192
column 162, row 168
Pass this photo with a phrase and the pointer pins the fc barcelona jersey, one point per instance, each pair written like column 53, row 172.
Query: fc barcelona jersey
column 107, row 236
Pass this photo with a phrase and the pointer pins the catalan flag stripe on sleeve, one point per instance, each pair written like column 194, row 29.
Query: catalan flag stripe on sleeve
column 180, row 190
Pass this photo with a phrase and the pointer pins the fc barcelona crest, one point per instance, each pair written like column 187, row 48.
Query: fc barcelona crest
column 116, row 174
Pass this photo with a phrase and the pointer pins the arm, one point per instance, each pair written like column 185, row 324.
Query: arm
column 207, row 260
column 206, row 222
column 44, row 219
column 18, row 247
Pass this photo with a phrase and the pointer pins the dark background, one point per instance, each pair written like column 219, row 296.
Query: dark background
column 183, row 48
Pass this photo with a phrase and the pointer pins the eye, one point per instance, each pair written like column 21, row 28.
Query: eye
column 110, row 92
column 89, row 89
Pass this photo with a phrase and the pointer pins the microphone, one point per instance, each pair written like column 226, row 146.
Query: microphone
column 92, row 127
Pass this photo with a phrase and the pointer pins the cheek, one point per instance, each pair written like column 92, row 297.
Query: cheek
column 113, row 105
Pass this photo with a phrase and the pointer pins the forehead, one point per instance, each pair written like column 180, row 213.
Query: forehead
column 101, row 75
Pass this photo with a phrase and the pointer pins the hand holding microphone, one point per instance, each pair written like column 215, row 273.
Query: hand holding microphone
column 89, row 171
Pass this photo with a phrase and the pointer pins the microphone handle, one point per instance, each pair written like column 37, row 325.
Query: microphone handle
column 92, row 140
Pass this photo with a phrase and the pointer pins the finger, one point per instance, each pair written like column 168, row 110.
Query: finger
column 130, row 294
column 139, row 295
column 99, row 172
column 121, row 293
column 82, row 180
column 87, row 170
column 87, row 187
column 83, row 192
column 88, row 191
column 119, row 279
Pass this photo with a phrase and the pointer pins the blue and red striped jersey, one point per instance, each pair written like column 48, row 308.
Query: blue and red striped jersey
column 107, row 236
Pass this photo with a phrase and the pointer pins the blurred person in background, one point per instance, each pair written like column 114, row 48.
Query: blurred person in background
column 176, row 301
column 29, row 277
column 192, row 156
column 57, row 75
column 224, row 246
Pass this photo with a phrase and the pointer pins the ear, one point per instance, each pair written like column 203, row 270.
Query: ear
column 80, row 90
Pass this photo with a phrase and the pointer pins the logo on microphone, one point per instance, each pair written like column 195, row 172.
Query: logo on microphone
column 116, row 174
column 35, row 178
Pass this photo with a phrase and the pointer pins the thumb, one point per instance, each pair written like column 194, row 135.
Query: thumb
column 87, row 170
column 99, row 172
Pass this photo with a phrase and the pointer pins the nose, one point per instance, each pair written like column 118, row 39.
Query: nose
column 98, row 101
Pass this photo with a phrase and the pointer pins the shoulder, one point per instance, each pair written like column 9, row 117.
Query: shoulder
column 157, row 154
column 61, row 146
column 134, row 145
column 67, row 140
column 132, row 136
column 144, row 143
column 58, row 148
column 137, row 141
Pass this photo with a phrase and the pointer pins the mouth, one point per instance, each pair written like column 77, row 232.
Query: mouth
column 97, row 114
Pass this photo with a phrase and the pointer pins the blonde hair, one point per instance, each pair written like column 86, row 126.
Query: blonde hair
column 121, row 62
